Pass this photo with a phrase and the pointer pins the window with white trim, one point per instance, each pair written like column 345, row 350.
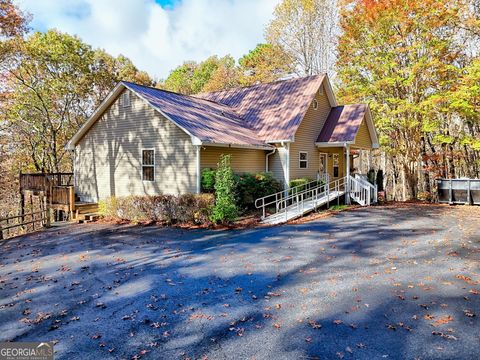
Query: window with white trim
column 148, row 165
column 126, row 98
column 315, row 104
column 336, row 164
column 303, row 160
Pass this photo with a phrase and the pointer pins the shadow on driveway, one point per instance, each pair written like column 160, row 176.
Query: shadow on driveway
column 382, row 282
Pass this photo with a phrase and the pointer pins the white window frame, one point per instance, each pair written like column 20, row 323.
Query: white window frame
column 126, row 99
column 300, row 160
column 315, row 104
column 143, row 165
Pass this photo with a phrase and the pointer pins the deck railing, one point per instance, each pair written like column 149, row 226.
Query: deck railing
column 63, row 195
column 44, row 181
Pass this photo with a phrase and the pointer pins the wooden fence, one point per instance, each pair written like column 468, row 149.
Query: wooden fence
column 27, row 220
column 459, row 191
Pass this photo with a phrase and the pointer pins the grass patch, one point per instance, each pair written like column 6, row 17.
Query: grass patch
column 338, row 207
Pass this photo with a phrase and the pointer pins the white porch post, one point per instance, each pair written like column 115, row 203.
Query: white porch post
column 347, row 187
column 199, row 174
column 288, row 163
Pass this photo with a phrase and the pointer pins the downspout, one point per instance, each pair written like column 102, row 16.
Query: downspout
column 287, row 160
column 347, row 197
column 199, row 175
column 266, row 158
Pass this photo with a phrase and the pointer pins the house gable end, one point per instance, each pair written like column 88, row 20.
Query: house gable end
column 112, row 97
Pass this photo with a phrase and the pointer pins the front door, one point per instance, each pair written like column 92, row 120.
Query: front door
column 322, row 166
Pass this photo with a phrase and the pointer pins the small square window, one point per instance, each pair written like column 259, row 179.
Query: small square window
column 148, row 165
column 126, row 99
column 303, row 160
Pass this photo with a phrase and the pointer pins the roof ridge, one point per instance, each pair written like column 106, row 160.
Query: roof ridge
column 230, row 108
column 260, row 84
column 180, row 94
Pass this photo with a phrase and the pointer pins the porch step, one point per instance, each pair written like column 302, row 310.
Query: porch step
column 85, row 218
column 84, row 208
column 85, row 212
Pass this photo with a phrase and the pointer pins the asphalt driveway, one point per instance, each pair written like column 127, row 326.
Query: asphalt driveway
column 376, row 283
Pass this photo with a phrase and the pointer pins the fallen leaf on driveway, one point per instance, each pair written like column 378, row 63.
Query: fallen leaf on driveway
column 314, row 324
column 445, row 336
column 443, row 320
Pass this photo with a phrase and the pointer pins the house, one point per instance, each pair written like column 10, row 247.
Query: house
column 146, row 141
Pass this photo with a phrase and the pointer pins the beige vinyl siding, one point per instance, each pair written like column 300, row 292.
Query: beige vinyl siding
column 108, row 159
column 363, row 138
column 306, row 136
column 277, row 164
column 242, row 160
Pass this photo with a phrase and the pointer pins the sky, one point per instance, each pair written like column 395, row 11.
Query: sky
column 158, row 35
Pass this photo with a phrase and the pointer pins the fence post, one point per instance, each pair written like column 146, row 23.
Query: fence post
column 71, row 193
column 32, row 215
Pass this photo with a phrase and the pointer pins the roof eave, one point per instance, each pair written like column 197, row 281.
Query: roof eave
column 239, row 146
column 334, row 143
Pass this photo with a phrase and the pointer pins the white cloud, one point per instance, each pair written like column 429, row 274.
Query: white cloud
column 158, row 39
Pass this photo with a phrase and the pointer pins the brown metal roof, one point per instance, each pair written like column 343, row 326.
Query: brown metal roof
column 342, row 123
column 274, row 110
column 208, row 121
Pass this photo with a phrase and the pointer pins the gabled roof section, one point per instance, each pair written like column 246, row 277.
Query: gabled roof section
column 343, row 123
column 205, row 121
column 274, row 110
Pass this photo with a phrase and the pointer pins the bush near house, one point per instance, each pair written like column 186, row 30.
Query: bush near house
column 225, row 209
column 208, row 180
column 248, row 187
column 299, row 182
column 166, row 209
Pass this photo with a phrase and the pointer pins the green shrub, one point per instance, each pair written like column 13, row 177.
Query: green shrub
column 167, row 209
column 225, row 209
column 250, row 187
column 298, row 182
column 301, row 183
column 208, row 180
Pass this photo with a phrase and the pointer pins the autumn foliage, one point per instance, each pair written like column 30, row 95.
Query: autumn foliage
column 412, row 62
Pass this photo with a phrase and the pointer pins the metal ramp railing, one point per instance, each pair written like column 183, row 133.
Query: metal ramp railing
column 296, row 201
column 299, row 200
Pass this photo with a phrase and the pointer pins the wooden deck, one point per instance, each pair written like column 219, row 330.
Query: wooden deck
column 59, row 191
